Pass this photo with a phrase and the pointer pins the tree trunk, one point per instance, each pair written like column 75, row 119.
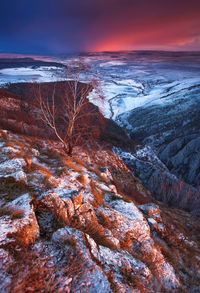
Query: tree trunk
column 68, row 149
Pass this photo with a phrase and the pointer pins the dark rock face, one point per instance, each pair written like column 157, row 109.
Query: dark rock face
column 172, row 129
column 171, row 132
column 182, row 156
column 116, row 135
column 157, row 178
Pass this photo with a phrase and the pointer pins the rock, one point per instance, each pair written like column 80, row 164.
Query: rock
column 182, row 158
column 91, row 278
column 122, row 265
column 164, row 186
column 51, row 209
column 152, row 211
column 154, row 226
column 125, row 220
column 6, row 260
column 11, row 166
column 19, row 229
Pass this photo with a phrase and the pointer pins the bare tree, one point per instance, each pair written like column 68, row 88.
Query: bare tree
column 69, row 114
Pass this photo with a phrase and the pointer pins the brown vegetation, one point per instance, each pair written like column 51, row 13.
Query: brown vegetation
column 12, row 211
column 97, row 193
column 34, row 274
column 10, row 188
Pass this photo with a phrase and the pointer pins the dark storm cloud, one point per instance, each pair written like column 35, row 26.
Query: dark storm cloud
column 53, row 26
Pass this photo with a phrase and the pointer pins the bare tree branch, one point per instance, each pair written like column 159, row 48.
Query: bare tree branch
column 70, row 116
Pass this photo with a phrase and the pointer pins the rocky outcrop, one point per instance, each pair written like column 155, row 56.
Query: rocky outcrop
column 156, row 177
column 81, row 230
column 168, row 128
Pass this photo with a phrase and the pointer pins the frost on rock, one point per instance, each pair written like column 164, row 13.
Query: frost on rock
column 170, row 280
column 70, row 236
column 125, row 219
column 64, row 193
column 6, row 261
column 10, row 150
column 23, row 230
column 91, row 278
column 19, row 176
column 121, row 265
column 11, row 166
column 152, row 213
column 149, row 209
column 128, row 209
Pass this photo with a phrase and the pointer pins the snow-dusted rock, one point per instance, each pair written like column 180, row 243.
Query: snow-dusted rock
column 6, row 260
column 170, row 280
column 152, row 213
column 149, row 209
column 22, row 229
column 92, row 278
column 125, row 220
column 122, row 265
column 11, row 166
column 14, row 168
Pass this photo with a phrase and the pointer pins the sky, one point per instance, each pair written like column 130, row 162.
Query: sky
column 67, row 26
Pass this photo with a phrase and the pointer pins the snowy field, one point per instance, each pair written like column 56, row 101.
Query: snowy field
column 129, row 79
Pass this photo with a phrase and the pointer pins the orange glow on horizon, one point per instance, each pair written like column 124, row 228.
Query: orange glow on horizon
column 163, row 33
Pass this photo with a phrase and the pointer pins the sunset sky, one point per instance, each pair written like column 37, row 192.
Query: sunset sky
column 62, row 26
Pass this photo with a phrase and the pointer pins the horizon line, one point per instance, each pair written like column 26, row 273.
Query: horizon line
column 98, row 52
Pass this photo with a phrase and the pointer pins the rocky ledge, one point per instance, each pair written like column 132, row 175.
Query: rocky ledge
column 87, row 224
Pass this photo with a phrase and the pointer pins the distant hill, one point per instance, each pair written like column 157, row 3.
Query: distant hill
column 25, row 62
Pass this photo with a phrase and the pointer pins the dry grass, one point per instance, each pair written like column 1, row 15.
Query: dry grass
column 35, row 272
column 171, row 255
column 133, row 280
column 104, row 221
column 127, row 242
column 6, row 211
column 13, row 211
column 69, row 162
column 47, row 179
column 17, row 214
column 46, row 160
column 95, row 169
column 4, row 135
column 11, row 189
column 178, row 252
column 51, row 156
column 46, row 172
column 97, row 193
column 81, row 178
column 12, row 144
column 33, row 275
column 126, row 185
column 79, row 161
column 99, row 235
